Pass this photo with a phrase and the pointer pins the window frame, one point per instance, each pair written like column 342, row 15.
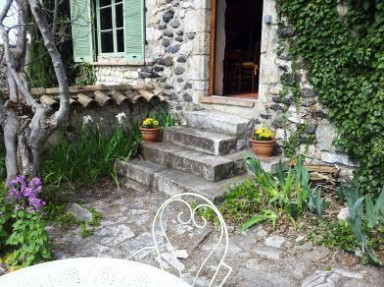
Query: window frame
column 114, row 29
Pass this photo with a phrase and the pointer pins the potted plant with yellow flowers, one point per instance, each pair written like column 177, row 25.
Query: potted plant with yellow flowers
column 150, row 130
column 263, row 142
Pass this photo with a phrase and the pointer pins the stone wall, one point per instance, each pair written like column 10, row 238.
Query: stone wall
column 281, row 112
column 177, row 62
column 176, row 53
column 107, row 117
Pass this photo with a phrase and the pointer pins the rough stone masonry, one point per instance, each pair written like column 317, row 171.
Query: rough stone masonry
column 177, row 54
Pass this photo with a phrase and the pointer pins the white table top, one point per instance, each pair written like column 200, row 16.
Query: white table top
column 91, row 272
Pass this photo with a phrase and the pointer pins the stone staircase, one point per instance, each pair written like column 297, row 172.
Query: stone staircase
column 202, row 157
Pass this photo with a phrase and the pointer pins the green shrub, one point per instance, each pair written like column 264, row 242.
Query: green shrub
column 364, row 218
column 268, row 196
column 23, row 239
column 90, row 156
column 345, row 60
column 85, row 74
column 334, row 233
column 286, row 192
column 240, row 202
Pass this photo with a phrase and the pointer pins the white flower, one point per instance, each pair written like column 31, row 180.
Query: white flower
column 87, row 119
column 120, row 117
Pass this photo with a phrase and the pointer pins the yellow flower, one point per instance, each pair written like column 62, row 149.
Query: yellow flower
column 150, row 123
column 264, row 134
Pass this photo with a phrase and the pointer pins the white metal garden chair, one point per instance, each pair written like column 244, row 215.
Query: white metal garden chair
column 197, row 202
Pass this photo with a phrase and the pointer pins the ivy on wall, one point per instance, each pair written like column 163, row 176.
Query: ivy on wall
column 344, row 54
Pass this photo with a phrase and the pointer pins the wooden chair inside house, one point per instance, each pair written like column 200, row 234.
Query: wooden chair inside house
column 249, row 70
column 232, row 71
column 240, row 72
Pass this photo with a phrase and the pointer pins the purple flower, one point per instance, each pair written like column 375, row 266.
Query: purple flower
column 36, row 203
column 13, row 182
column 35, row 183
column 29, row 192
column 13, row 194
column 21, row 180
column 25, row 194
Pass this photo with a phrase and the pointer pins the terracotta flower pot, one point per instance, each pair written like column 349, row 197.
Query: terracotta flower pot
column 263, row 148
column 150, row 135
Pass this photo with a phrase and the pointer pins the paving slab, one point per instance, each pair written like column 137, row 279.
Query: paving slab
column 252, row 262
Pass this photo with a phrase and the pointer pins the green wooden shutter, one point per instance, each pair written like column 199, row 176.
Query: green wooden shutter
column 134, row 34
column 82, row 36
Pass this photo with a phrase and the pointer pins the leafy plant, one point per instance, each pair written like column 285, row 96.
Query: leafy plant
column 22, row 226
column 87, row 228
column 66, row 220
column 165, row 119
column 265, row 215
column 363, row 220
column 269, row 195
column 56, row 214
column 291, row 144
column 84, row 230
column 316, row 202
column 345, row 60
column 90, row 156
column 287, row 191
column 169, row 120
column 240, row 202
column 85, row 74
column 332, row 234
column 340, row 193
column 29, row 239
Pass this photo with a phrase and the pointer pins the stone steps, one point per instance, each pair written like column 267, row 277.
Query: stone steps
column 202, row 157
column 201, row 140
column 147, row 176
column 222, row 123
column 207, row 166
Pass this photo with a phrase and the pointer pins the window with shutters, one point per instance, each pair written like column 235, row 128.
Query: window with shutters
column 110, row 26
column 107, row 28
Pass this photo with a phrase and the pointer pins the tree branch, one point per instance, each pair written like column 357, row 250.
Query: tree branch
column 23, row 89
column 8, row 58
column 55, row 15
column 21, row 43
column 49, row 42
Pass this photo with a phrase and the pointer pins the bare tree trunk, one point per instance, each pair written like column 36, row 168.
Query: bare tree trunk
column 10, row 139
column 58, row 65
column 26, row 124
column 10, row 123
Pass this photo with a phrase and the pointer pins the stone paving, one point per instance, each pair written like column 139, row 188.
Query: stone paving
column 257, row 258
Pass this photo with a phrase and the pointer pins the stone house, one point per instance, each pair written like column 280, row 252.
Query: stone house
column 196, row 52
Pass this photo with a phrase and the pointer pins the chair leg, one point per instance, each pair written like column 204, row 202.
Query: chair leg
column 253, row 84
column 239, row 87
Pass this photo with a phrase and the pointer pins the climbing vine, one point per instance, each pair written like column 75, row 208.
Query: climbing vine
column 343, row 51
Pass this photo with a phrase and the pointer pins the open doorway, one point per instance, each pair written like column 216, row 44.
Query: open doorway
column 238, row 25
